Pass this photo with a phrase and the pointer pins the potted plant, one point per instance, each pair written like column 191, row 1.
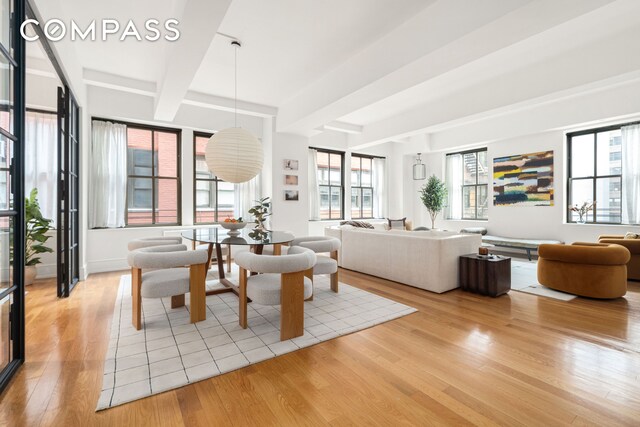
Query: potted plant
column 261, row 211
column 433, row 194
column 36, row 237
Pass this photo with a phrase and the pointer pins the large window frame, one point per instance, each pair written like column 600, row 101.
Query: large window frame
column 476, row 186
column 595, row 176
column 154, row 177
column 330, row 186
column 214, row 186
column 362, row 188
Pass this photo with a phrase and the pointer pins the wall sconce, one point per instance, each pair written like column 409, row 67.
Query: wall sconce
column 419, row 170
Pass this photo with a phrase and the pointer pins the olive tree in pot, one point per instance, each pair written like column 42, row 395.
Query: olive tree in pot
column 36, row 237
column 433, row 195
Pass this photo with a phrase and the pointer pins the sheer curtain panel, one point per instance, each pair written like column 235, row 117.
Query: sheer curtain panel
column 631, row 174
column 380, row 188
column 247, row 193
column 41, row 160
column 454, row 186
column 314, row 189
column 108, row 185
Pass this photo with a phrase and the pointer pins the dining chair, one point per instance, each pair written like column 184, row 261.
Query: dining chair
column 169, row 278
column 325, row 264
column 148, row 242
column 283, row 282
column 226, row 252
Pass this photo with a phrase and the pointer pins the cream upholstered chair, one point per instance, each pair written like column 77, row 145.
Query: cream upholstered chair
column 148, row 242
column 167, row 279
column 325, row 264
column 283, row 283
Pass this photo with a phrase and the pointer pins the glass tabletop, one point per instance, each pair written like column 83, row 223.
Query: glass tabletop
column 247, row 236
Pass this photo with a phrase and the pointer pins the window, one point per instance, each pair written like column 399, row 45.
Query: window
column 468, row 185
column 214, row 198
column 331, row 183
column 595, row 173
column 153, row 181
column 361, row 187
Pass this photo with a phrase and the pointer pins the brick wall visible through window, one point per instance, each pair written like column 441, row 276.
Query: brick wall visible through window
column 153, row 184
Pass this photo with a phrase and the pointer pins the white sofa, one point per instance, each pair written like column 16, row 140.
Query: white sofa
column 423, row 259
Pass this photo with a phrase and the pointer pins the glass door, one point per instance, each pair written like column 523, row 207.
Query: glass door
column 12, row 104
column 68, row 192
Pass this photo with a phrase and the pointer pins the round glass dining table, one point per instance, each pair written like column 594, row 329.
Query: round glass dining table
column 215, row 237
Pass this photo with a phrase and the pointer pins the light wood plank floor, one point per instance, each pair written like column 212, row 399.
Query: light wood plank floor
column 462, row 359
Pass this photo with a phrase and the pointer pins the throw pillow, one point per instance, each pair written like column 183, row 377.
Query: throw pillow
column 357, row 224
column 630, row 235
column 397, row 224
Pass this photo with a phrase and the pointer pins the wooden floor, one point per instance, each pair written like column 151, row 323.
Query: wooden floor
column 462, row 359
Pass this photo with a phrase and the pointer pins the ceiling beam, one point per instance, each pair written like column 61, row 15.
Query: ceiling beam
column 198, row 26
column 113, row 81
column 442, row 37
column 343, row 127
column 227, row 104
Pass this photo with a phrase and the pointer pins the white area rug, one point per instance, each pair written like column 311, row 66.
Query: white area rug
column 169, row 352
column 524, row 278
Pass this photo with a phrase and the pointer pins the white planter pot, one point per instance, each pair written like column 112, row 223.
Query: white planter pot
column 30, row 274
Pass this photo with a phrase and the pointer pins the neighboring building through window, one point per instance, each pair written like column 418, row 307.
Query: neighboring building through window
column 595, row 173
column 153, row 182
column 331, row 183
column 468, row 185
column 362, row 189
column 214, row 199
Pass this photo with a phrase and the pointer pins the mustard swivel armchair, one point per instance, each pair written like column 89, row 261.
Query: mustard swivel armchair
column 595, row 270
column 633, row 266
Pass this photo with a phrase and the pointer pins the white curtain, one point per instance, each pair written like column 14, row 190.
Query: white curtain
column 379, row 188
column 41, row 161
column 631, row 174
column 453, row 171
column 314, row 189
column 246, row 195
column 108, row 185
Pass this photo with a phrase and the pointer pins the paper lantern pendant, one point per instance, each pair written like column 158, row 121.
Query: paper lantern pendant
column 234, row 155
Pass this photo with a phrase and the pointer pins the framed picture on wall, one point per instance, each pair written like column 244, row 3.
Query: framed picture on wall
column 291, row 195
column 290, row 165
column 291, row 180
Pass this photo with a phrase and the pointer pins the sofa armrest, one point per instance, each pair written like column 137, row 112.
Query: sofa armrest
column 632, row 244
column 585, row 253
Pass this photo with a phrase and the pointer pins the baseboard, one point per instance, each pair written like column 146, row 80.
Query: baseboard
column 106, row 265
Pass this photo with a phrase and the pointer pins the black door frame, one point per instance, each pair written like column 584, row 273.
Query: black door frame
column 17, row 317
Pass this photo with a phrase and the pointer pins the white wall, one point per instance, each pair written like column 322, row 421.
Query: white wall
column 537, row 222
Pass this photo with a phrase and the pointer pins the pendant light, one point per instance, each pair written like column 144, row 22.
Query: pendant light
column 419, row 169
column 234, row 154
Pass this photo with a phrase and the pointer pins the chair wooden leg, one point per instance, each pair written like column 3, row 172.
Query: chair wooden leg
column 242, row 297
column 292, row 305
column 229, row 259
column 136, row 284
column 277, row 249
column 334, row 276
column 177, row 301
column 197, row 273
column 309, row 274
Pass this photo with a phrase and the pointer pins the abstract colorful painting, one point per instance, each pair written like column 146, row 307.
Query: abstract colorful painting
column 525, row 180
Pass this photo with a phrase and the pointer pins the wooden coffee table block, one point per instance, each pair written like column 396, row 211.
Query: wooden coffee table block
column 485, row 275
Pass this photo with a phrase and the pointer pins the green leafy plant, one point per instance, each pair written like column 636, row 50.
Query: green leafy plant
column 37, row 227
column 261, row 211
column 433, row 195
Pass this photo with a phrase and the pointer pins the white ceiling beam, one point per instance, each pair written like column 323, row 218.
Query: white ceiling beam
column 227, row 104
column 198, row 26
column 343, row 127
column 113, row 81
column 568, row 75
column 443, row 36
